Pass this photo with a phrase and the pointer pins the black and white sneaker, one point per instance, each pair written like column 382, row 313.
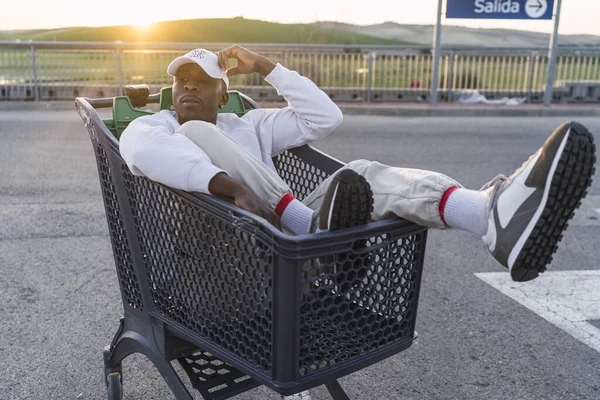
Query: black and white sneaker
column 530, row 210
column 347, row 203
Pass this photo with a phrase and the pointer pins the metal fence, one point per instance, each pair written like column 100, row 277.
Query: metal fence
column 64, row 70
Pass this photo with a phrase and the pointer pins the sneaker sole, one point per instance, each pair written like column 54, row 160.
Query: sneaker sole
column 352, row 204
column 564, row 197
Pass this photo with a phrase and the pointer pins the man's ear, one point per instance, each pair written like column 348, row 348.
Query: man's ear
column 225, row 97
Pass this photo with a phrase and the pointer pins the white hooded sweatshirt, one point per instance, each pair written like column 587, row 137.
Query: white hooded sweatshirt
column 152, row 147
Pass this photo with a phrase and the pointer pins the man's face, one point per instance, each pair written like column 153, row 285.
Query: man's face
column 197, row 96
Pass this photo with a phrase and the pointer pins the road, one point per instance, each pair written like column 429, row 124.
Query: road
column 60, row 299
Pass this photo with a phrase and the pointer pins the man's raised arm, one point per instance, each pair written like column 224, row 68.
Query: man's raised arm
column 309, row 116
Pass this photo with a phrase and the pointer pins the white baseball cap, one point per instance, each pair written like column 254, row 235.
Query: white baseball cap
column 207, row 60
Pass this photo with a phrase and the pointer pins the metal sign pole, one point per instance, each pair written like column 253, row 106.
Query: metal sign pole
column 437, row 36
column 552, row 57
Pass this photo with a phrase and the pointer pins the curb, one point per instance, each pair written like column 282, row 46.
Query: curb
column 37, row 106
column 471, row 112
column 378, row 110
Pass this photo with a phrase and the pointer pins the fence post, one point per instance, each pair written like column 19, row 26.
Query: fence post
column 119, row 70
column 532, row 62
column 437, row 46
column 369, row 93
column 450, row 76
column 36, row 91
column 552, row 57
column 286, row 59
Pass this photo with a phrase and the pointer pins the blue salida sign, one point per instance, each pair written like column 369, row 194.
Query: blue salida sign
column 500, row 9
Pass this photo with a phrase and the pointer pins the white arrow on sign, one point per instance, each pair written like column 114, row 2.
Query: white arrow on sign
column 536, row 8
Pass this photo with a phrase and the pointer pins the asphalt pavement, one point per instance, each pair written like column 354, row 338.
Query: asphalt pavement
column 61, row 304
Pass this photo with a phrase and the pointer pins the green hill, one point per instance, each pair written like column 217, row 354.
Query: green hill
column 231, row 30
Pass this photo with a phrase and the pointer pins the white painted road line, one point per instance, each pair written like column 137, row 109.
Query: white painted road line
column 567, row 299
column 300, row 396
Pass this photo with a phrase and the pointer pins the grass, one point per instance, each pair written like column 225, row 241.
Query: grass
column 213, row 30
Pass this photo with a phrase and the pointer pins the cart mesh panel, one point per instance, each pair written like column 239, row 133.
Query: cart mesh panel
column 204, row 272
column 359, row 301
column 300, row 176
column 127, row 278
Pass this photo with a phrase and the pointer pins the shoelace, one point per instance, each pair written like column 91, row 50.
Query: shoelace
column 494, row 181
column 522, row 167
column 493, row 184
column 502, row 178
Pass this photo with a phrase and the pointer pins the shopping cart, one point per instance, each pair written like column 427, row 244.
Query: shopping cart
column 235, row 301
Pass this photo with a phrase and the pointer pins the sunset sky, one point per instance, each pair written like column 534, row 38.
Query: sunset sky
column 578, row 16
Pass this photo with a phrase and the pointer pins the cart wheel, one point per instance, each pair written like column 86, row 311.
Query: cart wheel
column 114, row 386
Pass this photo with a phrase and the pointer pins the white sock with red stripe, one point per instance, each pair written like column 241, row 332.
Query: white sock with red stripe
column 465, row 209
column 295, row 216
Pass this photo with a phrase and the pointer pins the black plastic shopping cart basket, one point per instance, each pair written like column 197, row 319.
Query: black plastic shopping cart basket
column 235, row 301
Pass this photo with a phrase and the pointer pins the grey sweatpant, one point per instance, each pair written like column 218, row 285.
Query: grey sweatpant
column 411, row 194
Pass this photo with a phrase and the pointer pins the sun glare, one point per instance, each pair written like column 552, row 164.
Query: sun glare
column 142, row 23
column 142, row 26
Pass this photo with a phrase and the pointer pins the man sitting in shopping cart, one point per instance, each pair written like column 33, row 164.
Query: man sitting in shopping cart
column 194, row 148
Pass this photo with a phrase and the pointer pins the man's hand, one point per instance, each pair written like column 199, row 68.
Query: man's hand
column 249, row 201
column 225, row 186
column 247, row 61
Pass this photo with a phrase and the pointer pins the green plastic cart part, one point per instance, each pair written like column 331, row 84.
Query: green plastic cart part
column 124, row 112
